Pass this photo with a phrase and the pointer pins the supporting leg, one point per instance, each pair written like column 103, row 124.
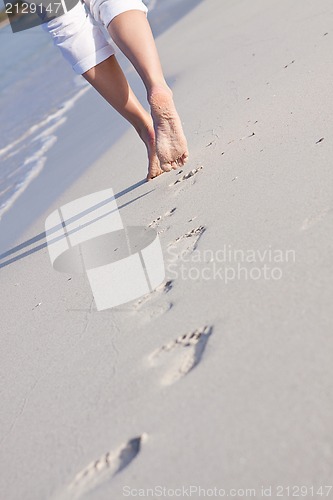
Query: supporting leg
column 131, row 32
column 109, row 80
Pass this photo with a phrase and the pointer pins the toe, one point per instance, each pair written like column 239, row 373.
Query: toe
column 153, row 174
column 166, row 167
column 174, row 165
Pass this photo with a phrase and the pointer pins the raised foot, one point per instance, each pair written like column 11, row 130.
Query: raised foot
column 147, row 134
column 171, row 144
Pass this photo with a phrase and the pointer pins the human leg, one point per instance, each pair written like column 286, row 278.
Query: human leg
column 130, row 30
column 109, row 80
column 83, row 44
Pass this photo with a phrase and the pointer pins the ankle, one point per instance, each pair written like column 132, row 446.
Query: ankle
column 146, row 133
column 158, row 88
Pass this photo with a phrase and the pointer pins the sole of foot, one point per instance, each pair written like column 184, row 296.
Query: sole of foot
column 171, row 144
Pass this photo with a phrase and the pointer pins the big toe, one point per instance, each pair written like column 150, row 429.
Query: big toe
column 155, row 173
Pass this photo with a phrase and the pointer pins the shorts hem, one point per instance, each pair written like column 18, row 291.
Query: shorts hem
column 107, row 11
column 93, row 59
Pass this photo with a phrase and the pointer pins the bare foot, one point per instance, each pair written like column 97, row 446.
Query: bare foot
column 171, row 143
column 147, row 134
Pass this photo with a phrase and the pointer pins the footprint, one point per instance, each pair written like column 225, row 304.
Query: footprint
column 188, row 242
column 181, row 355
column 162, row 289
column 151, row 312
column 152, row 305
column 157, row 221
column 197, row 231
column 103, row 469
column 156, row 224
column 189, row 174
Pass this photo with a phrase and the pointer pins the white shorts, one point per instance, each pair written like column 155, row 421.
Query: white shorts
column 79, row 34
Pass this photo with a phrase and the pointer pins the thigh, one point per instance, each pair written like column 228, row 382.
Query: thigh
column 104, row 11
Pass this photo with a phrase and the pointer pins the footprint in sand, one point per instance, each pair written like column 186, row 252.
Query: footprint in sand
column 186, row 243
column 186, row 176
column 181, row 355
column 150, row 307
column 161, row 290
column 156, row 224
column 151, row 312
column 103, row 469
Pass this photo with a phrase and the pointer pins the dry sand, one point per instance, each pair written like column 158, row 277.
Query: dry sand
column 247, row 401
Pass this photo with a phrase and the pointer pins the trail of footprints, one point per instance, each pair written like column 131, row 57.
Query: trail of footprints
column 175, row 359
column 184, row 353
column 185, row 243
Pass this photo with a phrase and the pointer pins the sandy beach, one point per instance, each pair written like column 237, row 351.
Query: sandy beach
column 220, row 380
